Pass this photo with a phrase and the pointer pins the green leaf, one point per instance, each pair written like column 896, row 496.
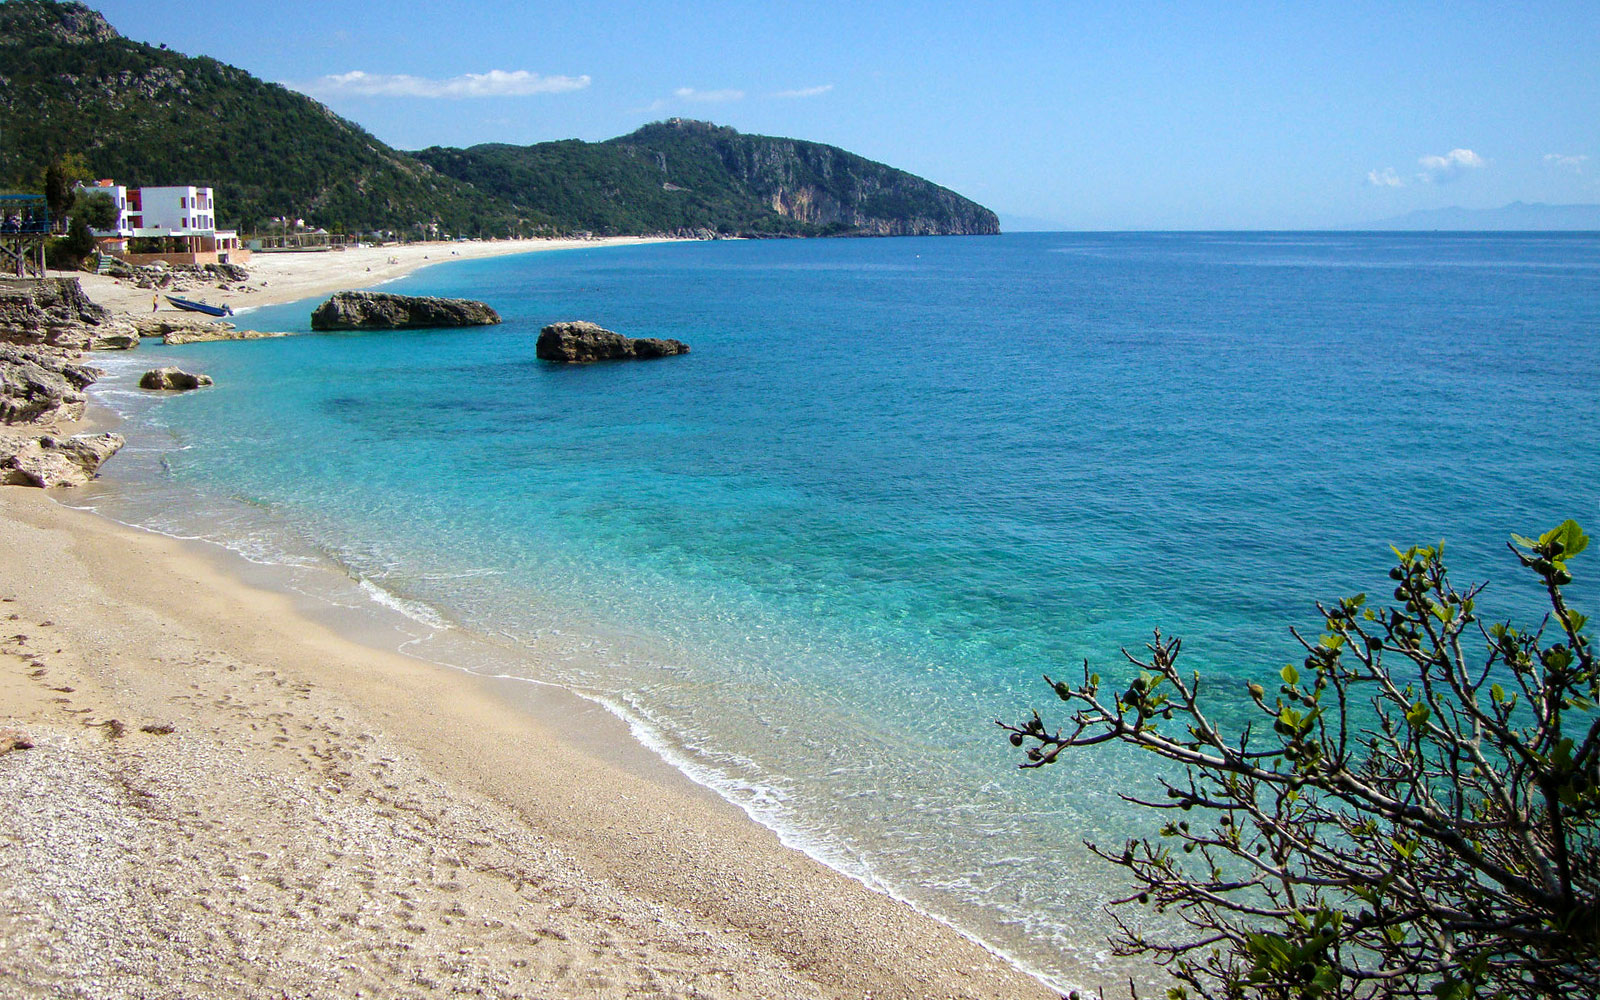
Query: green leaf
column 1290, row 675
column 1497, row 692
column 1453, row 989
column 1571, row 537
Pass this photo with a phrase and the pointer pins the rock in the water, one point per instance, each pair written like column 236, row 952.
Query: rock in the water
column 581, row 342
column 41, row 384
column 47, row 461
column 383, row 311
column 173, row 379
column 196, row 335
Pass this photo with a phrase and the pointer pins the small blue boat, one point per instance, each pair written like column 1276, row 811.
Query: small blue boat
column 200, row 307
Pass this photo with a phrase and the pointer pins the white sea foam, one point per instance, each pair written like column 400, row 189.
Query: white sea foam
column 417, row 611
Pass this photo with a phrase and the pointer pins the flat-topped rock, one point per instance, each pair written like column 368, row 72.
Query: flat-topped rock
column 384, row 311
column 197, row 335
column 46, row 460
column 172, row 379
column 114, row 337
column 581, row 342
column 162, row 325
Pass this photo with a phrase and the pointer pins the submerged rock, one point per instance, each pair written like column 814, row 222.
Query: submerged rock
column 581, row 342
column 47, row 461
column 383, row 311
column 174, row 379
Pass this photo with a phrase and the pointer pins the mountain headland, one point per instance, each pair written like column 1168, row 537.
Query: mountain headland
column 691, row 175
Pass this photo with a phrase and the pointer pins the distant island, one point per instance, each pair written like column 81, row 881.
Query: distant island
column 1519, row 215
column 146, row 115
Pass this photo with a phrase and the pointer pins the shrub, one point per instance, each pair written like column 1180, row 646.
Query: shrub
column 1413, row 814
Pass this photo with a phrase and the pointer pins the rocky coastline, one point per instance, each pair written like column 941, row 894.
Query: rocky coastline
column 45, row 326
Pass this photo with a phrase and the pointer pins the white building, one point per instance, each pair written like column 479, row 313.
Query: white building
column 181, row 221
column 176, row 208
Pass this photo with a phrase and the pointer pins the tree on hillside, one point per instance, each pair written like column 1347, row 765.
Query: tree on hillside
column 1413, row 812
column 60, row 176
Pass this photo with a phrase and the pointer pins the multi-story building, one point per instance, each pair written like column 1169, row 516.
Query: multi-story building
column 177, row 224
column 177, row 208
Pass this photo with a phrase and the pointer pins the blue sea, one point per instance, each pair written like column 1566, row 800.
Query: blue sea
column 895, row 483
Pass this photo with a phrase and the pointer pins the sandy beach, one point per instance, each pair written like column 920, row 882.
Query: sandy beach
column 288, row 277
column 226, row 797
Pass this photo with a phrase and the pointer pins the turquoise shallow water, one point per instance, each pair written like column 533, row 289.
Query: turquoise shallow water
column 894, row 482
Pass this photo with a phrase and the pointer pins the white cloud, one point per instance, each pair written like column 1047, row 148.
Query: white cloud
column 1564, row 162
column 707, row 96
column 1450, row 165
column 1384, row 178
column 495, row 83
column 805, row 91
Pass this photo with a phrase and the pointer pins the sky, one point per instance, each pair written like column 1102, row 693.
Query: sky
column 1074, row 115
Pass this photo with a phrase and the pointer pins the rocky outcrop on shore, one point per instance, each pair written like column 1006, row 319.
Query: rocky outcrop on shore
column 44, row 325
column 157, row 325
column 172, row 379
column 55, row 312
column 45, row 460
column 179, row 277
column 581, row 342
column 192, row 329
column 40, row 385
column 200, row 335
column 384, row 311
column 121, row 337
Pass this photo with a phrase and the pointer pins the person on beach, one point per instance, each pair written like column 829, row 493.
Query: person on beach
column 155, row 303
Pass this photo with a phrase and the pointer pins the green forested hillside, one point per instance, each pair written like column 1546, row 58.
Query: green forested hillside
column 693, row 175
column 145, row 115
